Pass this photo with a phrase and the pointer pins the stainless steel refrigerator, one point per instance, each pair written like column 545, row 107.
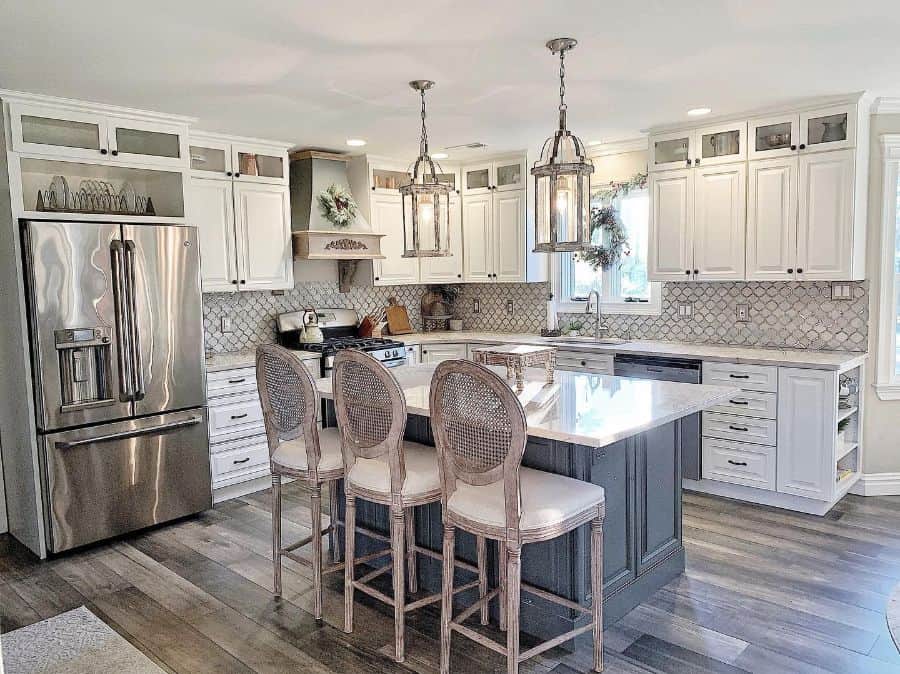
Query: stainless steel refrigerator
column 116, row 333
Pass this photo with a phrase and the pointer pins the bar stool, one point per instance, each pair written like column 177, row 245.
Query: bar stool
column 298, row 449
column 381, row 467
column 480, row 431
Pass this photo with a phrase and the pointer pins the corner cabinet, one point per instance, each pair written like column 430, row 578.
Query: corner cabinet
column 244, row 221
column 781, row 197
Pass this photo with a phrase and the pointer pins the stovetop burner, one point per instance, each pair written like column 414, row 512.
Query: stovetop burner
column 334, row 344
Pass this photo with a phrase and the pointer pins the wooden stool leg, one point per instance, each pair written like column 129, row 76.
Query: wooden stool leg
column 315, row 498
column 447, row 597
column 276, row 533
column 513, row 582
column 502, row 572
column 349, row 557
column 411, row 571
column 597, row 590
column 333, row 518
column 482, row 576
column 398, row 539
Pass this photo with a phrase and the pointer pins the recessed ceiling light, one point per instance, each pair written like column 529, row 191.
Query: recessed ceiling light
column 697, row 112
column 595, row 142
column 355, row 142
column 440, row 155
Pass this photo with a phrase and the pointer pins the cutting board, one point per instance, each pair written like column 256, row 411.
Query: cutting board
column 398, row 320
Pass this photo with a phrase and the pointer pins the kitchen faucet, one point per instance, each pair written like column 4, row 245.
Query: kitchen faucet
column 587, row 309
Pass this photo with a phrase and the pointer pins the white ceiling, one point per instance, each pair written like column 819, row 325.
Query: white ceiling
column 317, row 73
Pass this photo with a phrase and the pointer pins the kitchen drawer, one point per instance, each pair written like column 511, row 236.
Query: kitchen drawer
column 231, row 382
column 742, row 429
column 232, row 416
column 584, row 362
column 750, row 404
column 239, row 458
column 739, row 463
column 750, row 377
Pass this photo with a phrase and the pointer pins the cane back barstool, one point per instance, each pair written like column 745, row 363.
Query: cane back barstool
column 381, row 467
column 480, row 431
column 298, row 449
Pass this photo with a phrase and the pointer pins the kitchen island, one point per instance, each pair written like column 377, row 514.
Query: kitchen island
column 617, row 432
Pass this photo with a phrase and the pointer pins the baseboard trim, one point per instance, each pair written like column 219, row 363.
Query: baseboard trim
column 877, row 484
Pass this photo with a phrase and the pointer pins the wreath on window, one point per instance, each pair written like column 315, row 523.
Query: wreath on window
column 606, row 224
column 338, row 206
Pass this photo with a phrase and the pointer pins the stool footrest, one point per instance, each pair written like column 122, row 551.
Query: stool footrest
column 555, row 641
column 549, row 596
column 461, row 618
column 479, row 638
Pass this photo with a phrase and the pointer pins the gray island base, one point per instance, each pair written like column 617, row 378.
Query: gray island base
column 639, row 469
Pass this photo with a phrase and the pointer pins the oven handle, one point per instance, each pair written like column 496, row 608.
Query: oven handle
column 148, row 430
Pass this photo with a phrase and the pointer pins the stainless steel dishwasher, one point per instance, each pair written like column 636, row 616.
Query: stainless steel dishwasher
column 670, row 369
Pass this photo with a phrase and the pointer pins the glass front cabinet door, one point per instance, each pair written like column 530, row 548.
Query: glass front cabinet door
column 671, row 151
column 210, row 159
column 257, row 164
column 477, row 179
column 828, row 128
column 147, row 142
column 721, row 144
column 772, row 137
column 509, row 174
column 76, row 134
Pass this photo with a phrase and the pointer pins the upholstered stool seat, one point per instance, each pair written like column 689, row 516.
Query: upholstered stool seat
column 292, row 454
column 548, row 501
column 423, row 478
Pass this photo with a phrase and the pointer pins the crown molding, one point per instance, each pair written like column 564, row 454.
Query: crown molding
column 886, row 105
column 618, row 147
column 26, row 98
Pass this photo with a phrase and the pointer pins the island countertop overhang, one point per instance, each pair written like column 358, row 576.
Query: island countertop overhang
column 584, row 409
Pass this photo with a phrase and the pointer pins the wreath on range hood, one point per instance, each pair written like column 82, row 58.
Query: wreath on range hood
column 338, row 206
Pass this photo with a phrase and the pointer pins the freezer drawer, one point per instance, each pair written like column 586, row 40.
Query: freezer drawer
column 108, row 480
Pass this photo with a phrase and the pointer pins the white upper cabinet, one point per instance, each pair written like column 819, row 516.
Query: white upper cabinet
column 671, row 255
column 478, row 241
column 263, row 233
column 211, row 210
column 509, row 236
column 674, row 150
column 253, row 163
column 446, row 269
column 774, row 136
column 210, row 158
column 81, row 133
column 772, row 219
column 500, row 175
column 720, row 144
column 387, row 219
column 824, row 231
column 832, row 128
column 807, row 429
column 246, row 160
column 720, row 194
column 478, row 178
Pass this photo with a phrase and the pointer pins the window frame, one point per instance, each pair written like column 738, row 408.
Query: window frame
column 887, row 380
column 559, row 264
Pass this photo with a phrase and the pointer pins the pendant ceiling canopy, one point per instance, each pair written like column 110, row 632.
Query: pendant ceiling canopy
column 425, row 200
column 562, row 179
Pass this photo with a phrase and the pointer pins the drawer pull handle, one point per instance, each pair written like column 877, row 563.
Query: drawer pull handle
column 237, row 381
column 739, row 376
column 743, row 429
column 238, row 416
column 237, row 461
column 737, row 463
column 739, row 402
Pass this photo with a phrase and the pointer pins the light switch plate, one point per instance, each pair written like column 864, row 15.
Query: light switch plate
column 509, row 307
column 225, row 324
column 841, row 290
column 476, row 306
column 742, row 313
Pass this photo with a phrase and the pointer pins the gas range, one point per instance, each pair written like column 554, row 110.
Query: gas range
column 339, row 332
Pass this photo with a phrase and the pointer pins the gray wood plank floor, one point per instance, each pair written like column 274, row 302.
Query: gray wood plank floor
column 765, row 591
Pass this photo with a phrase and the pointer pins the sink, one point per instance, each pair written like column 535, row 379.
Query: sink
column 604, row 341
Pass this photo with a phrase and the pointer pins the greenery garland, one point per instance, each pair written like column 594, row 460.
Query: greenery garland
column 337, row 205
column 605, row 222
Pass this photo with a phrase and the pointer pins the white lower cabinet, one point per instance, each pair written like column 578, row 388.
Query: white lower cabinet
column 739, row 463
column 807, row 416
column 435, row 353
column 413, row 354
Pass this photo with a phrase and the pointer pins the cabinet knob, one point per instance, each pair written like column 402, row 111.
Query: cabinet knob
column 688, row 161
column 790, row 270
column 234, row 281
column 459, row 276
column 802, row 146
column 696, row 271
column 228, row 173
column 377, row 278
column 243, row 281
column 687, row 271
column 457, row 191
column 373, row 188
column 697, row 161
column 793, row 147
column 237, row 175
column 799, row 270
column 103, row 151
column 115, row 153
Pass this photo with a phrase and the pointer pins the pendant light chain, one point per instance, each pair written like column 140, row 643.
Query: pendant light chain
column 423, row 143
column 562, row 88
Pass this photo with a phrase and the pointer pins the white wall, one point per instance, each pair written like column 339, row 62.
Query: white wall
column 881, row 430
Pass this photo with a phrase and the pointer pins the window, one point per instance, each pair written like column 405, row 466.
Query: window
column 624, row 287
column 887, row 383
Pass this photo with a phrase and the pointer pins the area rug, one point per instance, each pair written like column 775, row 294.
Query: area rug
column 75, row 642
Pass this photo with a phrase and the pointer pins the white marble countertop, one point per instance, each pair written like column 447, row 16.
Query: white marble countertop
column 819, row 360
column 232, row 360
column 592, row 410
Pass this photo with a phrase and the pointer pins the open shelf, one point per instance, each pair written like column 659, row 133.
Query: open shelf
column 846, row 449
column 846, row 413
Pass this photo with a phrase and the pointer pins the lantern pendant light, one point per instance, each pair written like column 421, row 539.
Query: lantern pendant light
column 425, row 200
column 562, row 178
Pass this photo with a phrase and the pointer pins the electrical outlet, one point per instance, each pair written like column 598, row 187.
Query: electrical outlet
column 841, row 291
column 476, row 306
column 742, row 313
column 685, row 309
column 225, row 324
column 509, row 307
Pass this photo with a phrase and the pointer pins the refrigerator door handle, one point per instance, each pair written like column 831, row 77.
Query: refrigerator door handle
column 123, row 332
column 137, row 362
column 149, row 430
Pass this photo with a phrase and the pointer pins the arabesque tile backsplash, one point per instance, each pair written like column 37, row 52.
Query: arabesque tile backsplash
column 782, row 314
